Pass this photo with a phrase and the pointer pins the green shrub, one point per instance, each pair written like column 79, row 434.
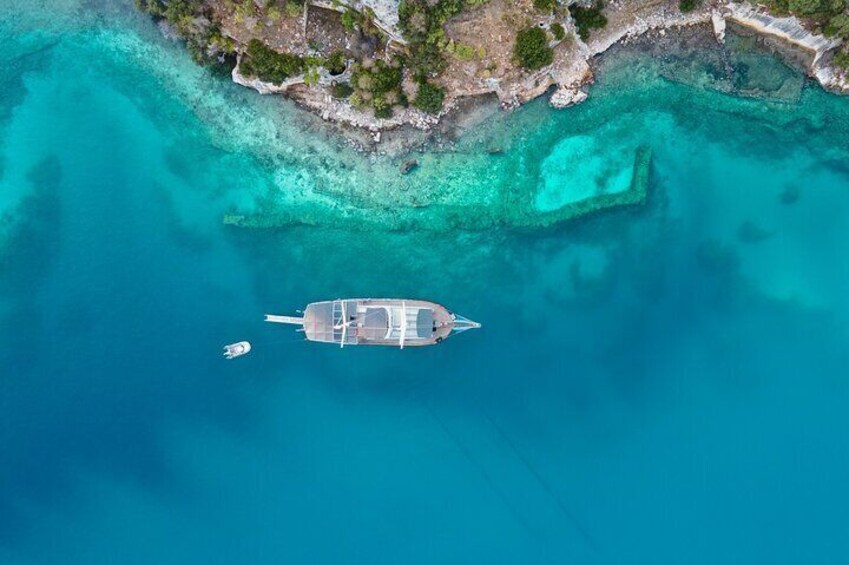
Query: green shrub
column 421, row 20
column 841, row 59
column 546, row 6
column 385, row 77
column 357, row 101
column 180, row 14
column 383, row 112
column 688, row 5
column 269, row 65
column 193, row 21
column 587, row 19
column 778, row 7
column 152, row 7
column 349, row 19
column 336, row 63
column 426, row 60
column 429, row 98
column 461, row 51
column 378, row 86
column 341, row 90
column 273, row 14
column 421, row 23
column 816, row 7
column 244, row 10
column 532, row 48
column 838, row 25
column 293, row 9
column 311, row 76
column 558, row 31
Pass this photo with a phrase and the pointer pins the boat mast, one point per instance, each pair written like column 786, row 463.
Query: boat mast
column 344, row 325
column 403, row 323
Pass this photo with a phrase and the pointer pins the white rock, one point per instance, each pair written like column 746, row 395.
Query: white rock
column 567, row 96
column 719, row 24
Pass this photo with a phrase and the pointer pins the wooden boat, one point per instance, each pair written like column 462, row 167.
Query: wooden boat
column 377, row 321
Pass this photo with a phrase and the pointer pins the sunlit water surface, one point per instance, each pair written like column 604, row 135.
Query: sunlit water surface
column 658, row 384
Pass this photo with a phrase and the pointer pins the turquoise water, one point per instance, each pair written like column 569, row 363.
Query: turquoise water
column 663, row 383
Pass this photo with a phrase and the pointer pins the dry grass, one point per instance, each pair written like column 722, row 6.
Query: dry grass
column 491, row 31
column 284, row 30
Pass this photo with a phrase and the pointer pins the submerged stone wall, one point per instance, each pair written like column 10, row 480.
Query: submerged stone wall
column 788, row 28
column 791, row 30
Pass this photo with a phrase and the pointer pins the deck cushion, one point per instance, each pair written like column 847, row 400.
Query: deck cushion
column 424, row 323
column 375, row 323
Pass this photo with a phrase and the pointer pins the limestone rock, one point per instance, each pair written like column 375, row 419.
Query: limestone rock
column 567, row 96
column 719, row 25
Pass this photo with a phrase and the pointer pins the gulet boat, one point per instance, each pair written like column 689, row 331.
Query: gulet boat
column 377, row 321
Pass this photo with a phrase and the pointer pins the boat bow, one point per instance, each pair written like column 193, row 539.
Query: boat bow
column 461, row 324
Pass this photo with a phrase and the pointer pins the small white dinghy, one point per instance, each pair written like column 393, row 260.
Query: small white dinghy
column 237, row 349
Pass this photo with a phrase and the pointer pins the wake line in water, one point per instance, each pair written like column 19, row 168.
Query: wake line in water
column 484, row 474
column 570, row 516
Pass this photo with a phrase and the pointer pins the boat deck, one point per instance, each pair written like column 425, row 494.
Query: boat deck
column 377, row 322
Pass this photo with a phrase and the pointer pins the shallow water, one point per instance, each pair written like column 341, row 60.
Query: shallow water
column 657, row 384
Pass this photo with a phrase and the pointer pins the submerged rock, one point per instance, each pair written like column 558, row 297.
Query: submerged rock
column 790, row 194
column 409, row 166
column 717, row 258
column 749, row 232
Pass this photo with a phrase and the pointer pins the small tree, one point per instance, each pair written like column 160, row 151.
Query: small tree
column 335, row 63
column 558, row 31
column 838, row 25
column 815, row 7
column 587, row 19
column 546, row 6
column 341, row 90
column 532, row 49
column 349, row 19
column 778, row 7
column 311, row 76
column 688, row 5
column 841, row 59
column 269, row 65
column 429, row 98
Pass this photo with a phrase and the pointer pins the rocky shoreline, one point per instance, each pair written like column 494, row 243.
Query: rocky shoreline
column 571, row 78
column 487, row 66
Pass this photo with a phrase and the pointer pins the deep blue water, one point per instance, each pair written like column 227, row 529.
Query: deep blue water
column 660, row 384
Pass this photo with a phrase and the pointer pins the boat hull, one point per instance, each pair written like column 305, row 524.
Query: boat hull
column 395, row 322
column 381, row 321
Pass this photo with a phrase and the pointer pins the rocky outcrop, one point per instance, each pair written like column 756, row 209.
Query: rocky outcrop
column 789, row 29
column 264, row 87
column 569, row 74
column 633, row 23
column 385, row 13
column 567, row 96
column 717, row 20
column 337, row 110
column 831, row 78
